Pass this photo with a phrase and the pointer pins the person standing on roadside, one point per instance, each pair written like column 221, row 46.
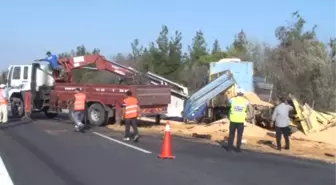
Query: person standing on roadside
column 79, row 109
column 239, row 108
column 281, row 120
column 27, row 105
column 130, row 113
column 3, row 103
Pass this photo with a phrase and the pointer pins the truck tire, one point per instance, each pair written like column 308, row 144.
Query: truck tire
column 157, row 119
column 17, row 107
column 97, row 114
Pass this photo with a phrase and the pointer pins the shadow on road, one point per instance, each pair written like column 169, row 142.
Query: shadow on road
column 14, row 123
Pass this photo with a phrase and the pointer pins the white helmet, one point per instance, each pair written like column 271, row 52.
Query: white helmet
column 2, row 86
column 240, row 91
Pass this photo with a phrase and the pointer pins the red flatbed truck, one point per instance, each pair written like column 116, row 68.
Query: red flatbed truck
column 51, row 94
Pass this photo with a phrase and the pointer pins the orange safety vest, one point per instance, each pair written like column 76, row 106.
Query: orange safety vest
column 131, row 107
column 27, row 100
column 3, row 99
column 79, row 104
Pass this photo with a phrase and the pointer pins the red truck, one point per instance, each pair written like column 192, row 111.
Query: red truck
column 51, row 94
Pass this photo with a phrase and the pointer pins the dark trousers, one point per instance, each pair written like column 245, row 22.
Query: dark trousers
column 128, row 123
column 285, row 131
column 239, row 127
column 61, row 70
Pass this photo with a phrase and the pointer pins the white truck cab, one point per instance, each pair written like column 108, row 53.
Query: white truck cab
column 35, row 77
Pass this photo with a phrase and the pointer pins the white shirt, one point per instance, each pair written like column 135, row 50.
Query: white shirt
column 281, row 115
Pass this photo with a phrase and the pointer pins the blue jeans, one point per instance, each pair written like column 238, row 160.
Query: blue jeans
column 78, row 117
column 60, row 69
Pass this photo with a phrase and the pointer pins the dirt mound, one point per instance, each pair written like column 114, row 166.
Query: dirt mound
column 255, row 100
column 222, row 126
column 327, row 136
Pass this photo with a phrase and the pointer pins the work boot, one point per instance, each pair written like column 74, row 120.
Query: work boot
column 136, row 138
column 126, row 138
column 79, row 129
column 25, row 118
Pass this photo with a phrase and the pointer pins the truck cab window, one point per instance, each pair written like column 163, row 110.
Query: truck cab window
column 17, row 73
column 25, row 73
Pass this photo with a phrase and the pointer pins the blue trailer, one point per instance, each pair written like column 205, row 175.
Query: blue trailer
column 196, row 105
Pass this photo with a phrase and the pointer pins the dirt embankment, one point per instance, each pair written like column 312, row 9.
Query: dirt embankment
column 321, row 145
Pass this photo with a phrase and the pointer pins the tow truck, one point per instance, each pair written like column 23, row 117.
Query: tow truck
column 51, row 94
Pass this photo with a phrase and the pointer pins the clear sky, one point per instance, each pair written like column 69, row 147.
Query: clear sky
column 31, row 27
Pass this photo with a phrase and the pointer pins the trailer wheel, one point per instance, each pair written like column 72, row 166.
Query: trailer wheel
column 97, row 114
column 17, row 107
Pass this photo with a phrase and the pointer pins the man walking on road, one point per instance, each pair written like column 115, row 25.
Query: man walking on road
column 281, row 118
column 79, row 109
column 130, row 113
column 238, row 114
column 3, row 103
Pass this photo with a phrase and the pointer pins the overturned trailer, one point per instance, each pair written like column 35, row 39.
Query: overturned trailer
column 179, row 94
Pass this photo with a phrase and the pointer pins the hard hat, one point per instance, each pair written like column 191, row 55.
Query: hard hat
column 2, row 85
column 240, row 91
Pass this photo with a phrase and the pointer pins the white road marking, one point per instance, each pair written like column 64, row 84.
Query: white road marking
column 122, row 143
column 5, row 179
column 56, row 132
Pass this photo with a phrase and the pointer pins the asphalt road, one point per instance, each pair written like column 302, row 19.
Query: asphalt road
column 48, row 152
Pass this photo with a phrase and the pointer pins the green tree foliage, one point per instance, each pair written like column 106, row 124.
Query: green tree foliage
column 82, row 75
column 332, row 45
column 162, row 57
column 299, row 64
column 3, row 77
column 198, row 50
column 216, row 47
column 239, row 47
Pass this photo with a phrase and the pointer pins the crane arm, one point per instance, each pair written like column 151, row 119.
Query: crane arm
column 100, row 62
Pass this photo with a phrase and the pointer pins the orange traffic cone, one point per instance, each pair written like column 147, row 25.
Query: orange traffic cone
column 166, row 152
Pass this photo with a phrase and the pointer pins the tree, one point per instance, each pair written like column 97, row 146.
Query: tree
column 163, row 57
column 198, row 49
column 3, row 77
column 240, row 43
column 298, row 65
column 215, row 55
column 175, row 56
column 239, row 47
column 216, row 47
column 332, row 46
column 82, row 75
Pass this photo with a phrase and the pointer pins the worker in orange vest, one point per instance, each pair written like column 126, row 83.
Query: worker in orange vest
column 130, row 113
column 79, row 109
column 3, row 103
column 27, row 105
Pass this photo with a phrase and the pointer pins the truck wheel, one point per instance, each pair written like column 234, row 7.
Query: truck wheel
column 50, row 114
column 17, row 107
column 157, row 119
column 97, row 114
